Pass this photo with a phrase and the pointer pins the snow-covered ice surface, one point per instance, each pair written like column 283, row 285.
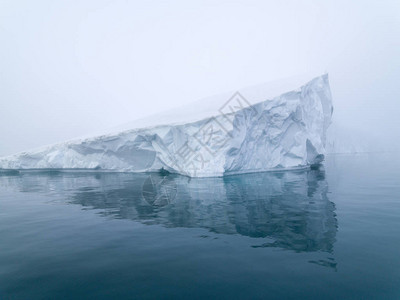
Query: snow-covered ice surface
column 262, row 128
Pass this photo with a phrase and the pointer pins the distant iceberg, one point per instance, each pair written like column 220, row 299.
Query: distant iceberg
column 270, row 127
column 348, row 140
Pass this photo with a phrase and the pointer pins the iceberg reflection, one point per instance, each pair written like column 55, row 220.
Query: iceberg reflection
column 290, row 209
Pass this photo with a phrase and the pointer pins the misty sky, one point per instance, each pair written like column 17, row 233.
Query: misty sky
column 69, row 68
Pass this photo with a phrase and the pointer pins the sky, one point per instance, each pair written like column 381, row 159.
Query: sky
column 72, row 68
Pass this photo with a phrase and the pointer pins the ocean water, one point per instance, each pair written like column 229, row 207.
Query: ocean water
column 327, row 233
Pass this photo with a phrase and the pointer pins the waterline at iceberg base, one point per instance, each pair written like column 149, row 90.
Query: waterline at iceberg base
column 253, row 130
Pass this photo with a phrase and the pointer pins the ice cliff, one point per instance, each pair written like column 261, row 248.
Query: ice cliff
column 257, row 129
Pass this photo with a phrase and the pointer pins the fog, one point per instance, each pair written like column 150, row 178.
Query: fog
column 71, row 68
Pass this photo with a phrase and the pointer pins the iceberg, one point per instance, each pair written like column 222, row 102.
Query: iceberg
column 276, row 126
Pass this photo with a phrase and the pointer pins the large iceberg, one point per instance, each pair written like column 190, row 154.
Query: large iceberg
column 263, row 128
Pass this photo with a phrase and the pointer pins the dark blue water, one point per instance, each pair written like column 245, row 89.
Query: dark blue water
column 327, row 233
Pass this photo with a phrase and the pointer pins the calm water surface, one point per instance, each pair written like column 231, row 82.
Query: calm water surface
column 327, row 233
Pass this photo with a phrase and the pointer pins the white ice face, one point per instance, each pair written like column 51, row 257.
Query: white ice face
column 246, row 132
